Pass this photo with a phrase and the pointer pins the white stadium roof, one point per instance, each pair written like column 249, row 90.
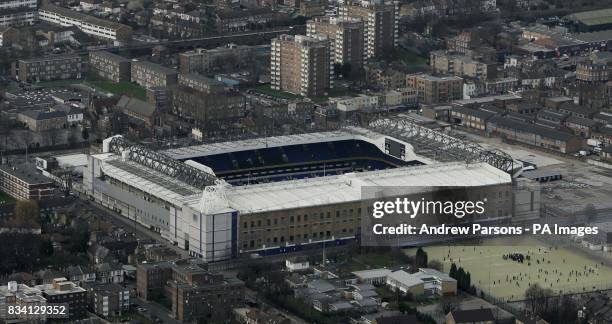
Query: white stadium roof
column 147, row 180
column 274, row 141
column 348, row 187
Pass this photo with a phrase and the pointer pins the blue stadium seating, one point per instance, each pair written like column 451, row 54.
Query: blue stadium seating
column 299, row 161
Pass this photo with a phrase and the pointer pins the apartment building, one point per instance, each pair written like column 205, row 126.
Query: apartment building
column 203, row 107
column 380, row 25
column 110, row 66
column 345, row 36
column 301, row 64
column 14, row 293
column 205, row 60
column 445, row 63
column 200, row 83
column 17, row 12
column 93, row 26
column 198, row 294
column 151, row 75
column 108, row 300
column 230, row 20
column 60, row 291
column 48, row 68
column 312, row 8
column 24, row 182
column 151, row 279
column 434, row 90
column 193, row 292
column 598, row 68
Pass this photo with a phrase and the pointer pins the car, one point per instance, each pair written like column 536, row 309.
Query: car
column 141, row 309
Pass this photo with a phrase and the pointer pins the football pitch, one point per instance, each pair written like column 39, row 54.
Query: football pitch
column 559, row 269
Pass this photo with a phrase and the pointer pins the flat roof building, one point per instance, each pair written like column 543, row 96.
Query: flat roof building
column 150, row 75
column 110, row 66
column 17, row 12
column 23, row 182
column 96, row 27
column 48, row 68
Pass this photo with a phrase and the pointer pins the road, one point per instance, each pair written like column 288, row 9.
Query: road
column 263, row 305
column 138, row 229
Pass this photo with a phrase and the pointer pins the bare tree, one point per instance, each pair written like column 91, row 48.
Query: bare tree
column 590, row 212
column 26, row 213
column 537, row 298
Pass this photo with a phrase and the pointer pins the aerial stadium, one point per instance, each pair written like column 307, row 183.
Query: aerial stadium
column 283, row 194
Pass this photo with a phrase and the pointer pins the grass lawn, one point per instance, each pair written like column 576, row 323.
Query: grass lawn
column 5, row 198
column 116, row 88
column 492, row 274
column 120, row 88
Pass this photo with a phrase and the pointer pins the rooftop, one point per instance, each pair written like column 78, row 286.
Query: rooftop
column 146, row 179
column 26, row 172
column 50, row 58
column 44, row 115
column 111, row 56
column 348, row 187
column 155, row 67
column 372, row 273
column 82, row 17
column 189, row 152
column 405, row 278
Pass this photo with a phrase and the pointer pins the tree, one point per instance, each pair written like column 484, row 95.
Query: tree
column 453, row 271
column 536, row 299
column 446, row 306
column 420, row 260
column 26, row 213
column 85, row 134
column 590, row 212
column 405, row 308
column 435, row 264
column 54, row 136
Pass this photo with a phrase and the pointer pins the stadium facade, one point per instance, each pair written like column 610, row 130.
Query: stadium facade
column 270, row 195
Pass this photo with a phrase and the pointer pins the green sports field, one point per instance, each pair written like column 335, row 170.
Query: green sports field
column 559, row 269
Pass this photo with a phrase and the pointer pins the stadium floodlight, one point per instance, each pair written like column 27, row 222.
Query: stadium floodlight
column 161, row 163
column 440, row 146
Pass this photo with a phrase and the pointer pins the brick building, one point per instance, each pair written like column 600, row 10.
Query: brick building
column 301, row 65
column 110, row 66
column 151, row 75
column 48, row 68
